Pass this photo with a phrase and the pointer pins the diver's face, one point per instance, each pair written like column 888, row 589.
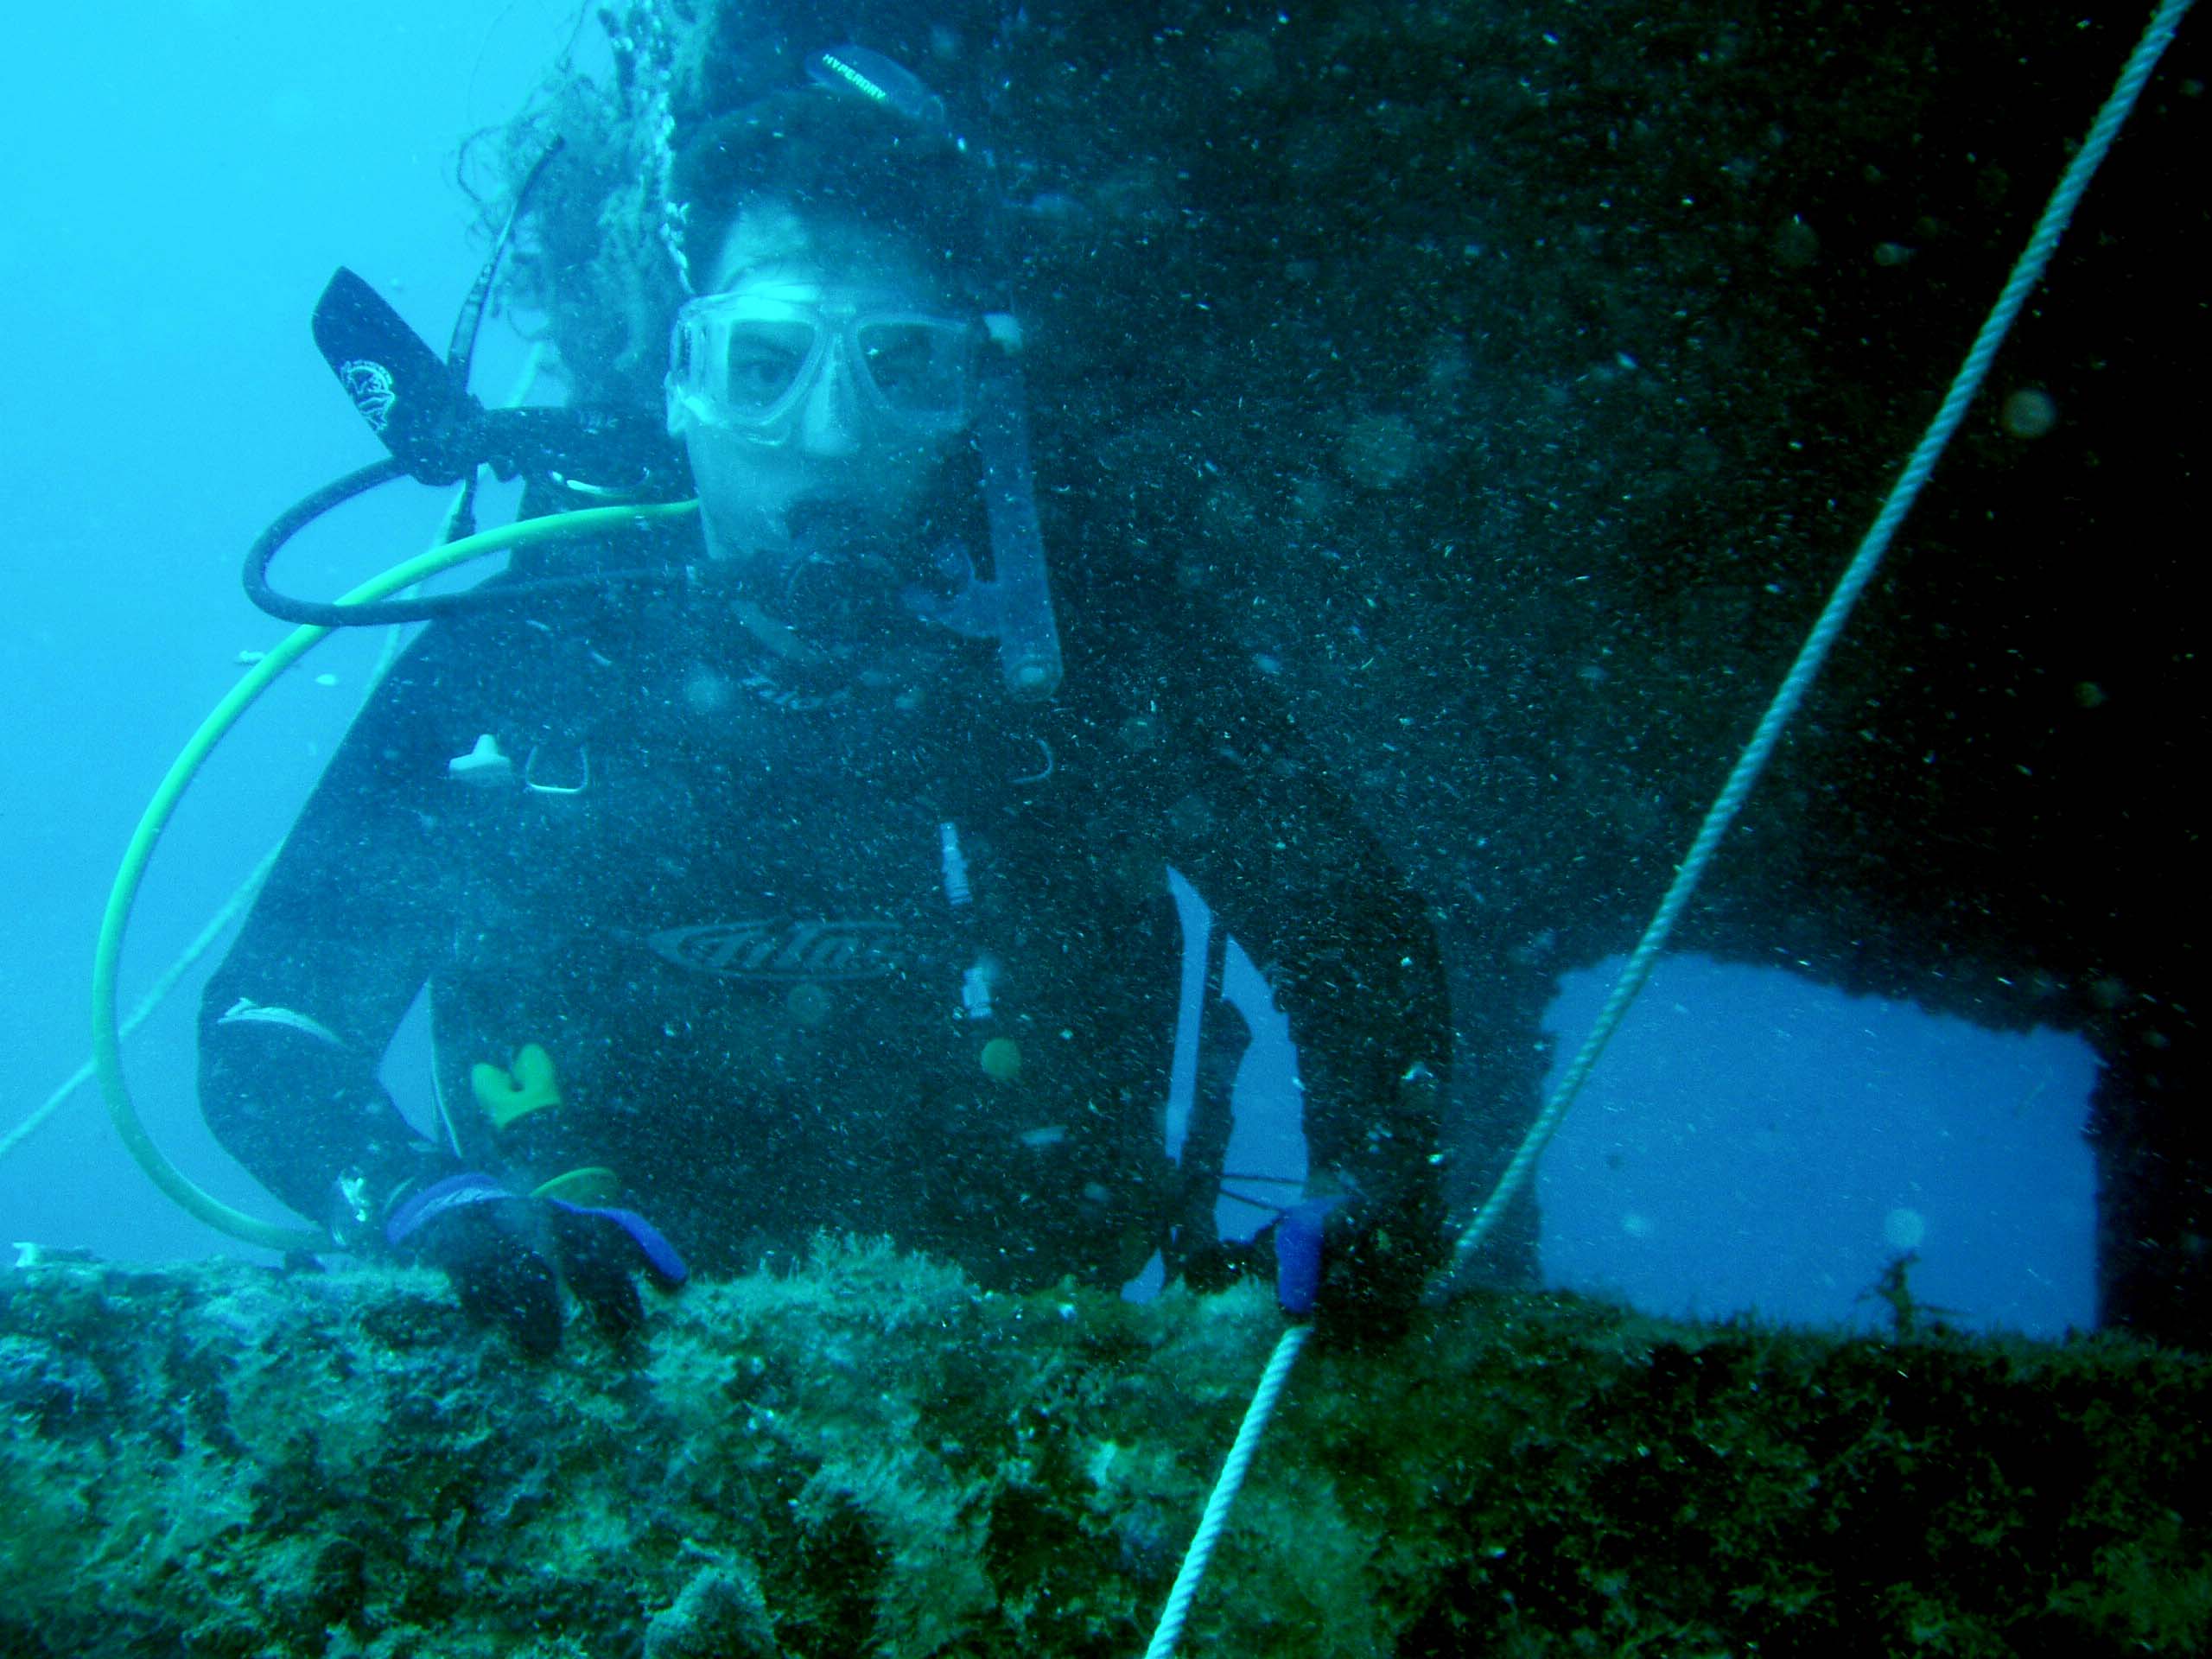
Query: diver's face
column 820, row 371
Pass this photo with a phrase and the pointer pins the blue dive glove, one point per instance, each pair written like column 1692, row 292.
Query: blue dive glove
column 1357, row 1277
column 507, row 1256
column 1297, row 1256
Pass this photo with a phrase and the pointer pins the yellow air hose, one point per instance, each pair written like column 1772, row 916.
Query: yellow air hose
column 107, row 1041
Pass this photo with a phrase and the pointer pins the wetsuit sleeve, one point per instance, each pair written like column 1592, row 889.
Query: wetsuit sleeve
column 1348, row 948
column 295, row 1021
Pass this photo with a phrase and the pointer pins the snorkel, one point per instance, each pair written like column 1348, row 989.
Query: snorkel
column 1014, row 605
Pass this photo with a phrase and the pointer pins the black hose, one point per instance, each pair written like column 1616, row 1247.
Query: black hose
column 323, row 613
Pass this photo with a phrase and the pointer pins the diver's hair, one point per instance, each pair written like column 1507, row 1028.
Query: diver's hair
column 646, row 181
column 587, row 273
column 832, row 161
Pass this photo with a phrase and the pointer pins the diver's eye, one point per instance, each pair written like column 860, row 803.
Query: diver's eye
column 763, row 361
column 900, row 361
column 919, row 368
column 759, row 375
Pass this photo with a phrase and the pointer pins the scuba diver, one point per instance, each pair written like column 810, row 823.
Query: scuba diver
column 793, row 879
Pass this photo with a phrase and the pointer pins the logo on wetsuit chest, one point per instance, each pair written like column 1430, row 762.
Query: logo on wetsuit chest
column 782, row 950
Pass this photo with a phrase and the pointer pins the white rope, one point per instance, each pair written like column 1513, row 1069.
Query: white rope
column 201, row 944
column 2026, row 272
column 1164, row 1636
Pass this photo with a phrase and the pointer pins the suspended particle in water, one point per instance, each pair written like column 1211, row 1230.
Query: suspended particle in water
column 1903, row 1229
column 2028, row 413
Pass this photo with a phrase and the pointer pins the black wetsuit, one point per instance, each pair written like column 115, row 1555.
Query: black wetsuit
column 727, row 899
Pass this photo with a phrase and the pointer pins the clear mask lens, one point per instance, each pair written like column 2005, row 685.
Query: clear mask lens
column 750, row 361
column 918, row 365
column 764, row 365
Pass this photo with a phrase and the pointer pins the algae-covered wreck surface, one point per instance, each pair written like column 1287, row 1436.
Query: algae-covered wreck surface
column 872, row 1456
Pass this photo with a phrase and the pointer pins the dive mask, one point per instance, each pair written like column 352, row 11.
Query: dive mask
column 748, row 361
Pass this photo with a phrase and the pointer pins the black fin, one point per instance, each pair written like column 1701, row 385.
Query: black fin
column 408, row 396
